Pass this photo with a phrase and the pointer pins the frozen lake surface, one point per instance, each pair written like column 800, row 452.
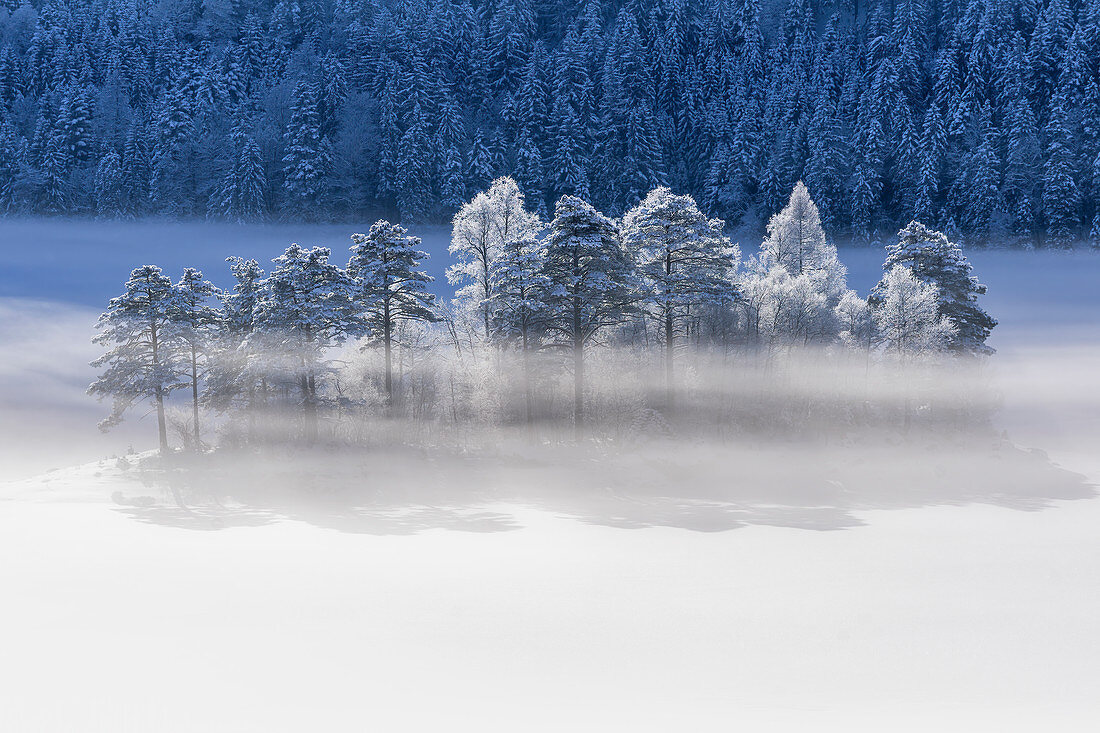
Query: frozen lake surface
column 503, row 615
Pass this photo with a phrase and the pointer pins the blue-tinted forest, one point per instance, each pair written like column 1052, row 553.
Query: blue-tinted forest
column 981, row 118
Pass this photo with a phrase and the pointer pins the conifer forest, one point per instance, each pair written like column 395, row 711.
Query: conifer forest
column 976, row 117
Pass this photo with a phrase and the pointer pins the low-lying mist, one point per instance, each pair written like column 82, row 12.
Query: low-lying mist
column 794, row 437
column 798, row 438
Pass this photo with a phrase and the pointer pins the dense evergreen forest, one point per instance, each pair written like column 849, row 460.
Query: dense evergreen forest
column 980, row 118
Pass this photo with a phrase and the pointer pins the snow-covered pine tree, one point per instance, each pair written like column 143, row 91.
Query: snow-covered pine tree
column 53, row 194
column 193, row 321
column 591, row 284
column 481, row 162
column 308, row 160
column 236, row 372
column 389, row 139
column 511, row 34
column 305, row 308
column 110, row 192
column 516, row 279
column 75, row 125
column 569, row 174
column 241, row 194
column 529, row 171
column 1060, row 193
column 686, row 261
column 1094, row 232
column 937, row 261
column 415, row 197
column 980, row 171
column 142, row 361
column 11, row 162
column 387, row 287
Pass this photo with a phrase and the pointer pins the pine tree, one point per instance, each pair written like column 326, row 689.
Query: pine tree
column 591, row 284
column 142, row 362
column 75, row 125
column 308, row 160
column 685, row 260
column 305, row 308
column 236, row 370
column 1060, row 193
column 1094, row 233
column 981, row 176
column 516, row 279
column 54, row 193
column 937, row 261
column 388, row 288
column 481, row 162
column 511, row 32
column 529, row 171
column 241, row 194
column 192, row 321
column 933, row 141
column 110, row 193
column 11, row 163
column 415, row 197
column 390, row 139
column 137, row 172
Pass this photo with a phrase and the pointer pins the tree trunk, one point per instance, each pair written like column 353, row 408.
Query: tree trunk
column 309, row 409
column 387, row 342
column 669, row 355
column 252, row 414
column 162, row 426
column 578, row 388
column 578, row 365
column 527, row 397
column 195, row 398
column 487, row 291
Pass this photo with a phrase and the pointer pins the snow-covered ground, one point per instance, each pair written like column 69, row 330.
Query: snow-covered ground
column 973, row 610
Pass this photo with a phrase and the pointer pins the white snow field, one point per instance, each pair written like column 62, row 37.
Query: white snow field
column 970, row 605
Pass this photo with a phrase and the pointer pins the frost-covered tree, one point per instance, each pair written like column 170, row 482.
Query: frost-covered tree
column 193, row 321
column 305, row 308
column 110, row 192
column 415, row 197
column 516, row 279
column 236, row 371
column 797, row 280
column 785, row 309
column 855, row 320
column 935, row 260
column 241, row 193
column 686, row 260
column 907, row 315
column 796, row 242
column 480, row 230
column 142, row 362
column 591, row 284
column 1061, row 195
column 308, row 161
column 388, row 287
